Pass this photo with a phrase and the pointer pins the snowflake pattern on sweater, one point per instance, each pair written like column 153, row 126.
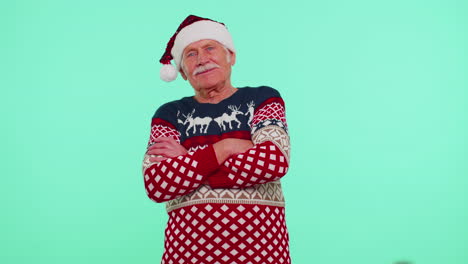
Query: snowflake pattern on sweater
column 249, row 180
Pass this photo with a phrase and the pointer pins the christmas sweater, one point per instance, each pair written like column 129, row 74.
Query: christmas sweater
column 219, row 213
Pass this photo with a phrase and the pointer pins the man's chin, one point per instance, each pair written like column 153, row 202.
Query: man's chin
column 207, row 85
column 207, row 80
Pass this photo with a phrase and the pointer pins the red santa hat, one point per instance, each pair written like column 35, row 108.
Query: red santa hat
column 192, row 29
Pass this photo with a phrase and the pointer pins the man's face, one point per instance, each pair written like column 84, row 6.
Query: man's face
column 206, row 63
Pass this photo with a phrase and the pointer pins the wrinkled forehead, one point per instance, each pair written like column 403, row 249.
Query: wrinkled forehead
column 201, row 44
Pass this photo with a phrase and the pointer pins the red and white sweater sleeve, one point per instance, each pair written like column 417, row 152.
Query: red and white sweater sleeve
column 174, row 177
column 268, row 160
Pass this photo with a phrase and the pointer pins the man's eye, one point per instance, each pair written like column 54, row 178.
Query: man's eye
column 190, row 54
column 210, row 48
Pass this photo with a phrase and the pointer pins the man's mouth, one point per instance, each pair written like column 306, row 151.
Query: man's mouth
column 205, row 69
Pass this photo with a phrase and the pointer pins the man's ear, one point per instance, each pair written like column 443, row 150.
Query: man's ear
column 183, row 74
column 233, row 58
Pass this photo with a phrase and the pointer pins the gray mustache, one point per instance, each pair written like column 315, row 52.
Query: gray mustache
column 205, row 67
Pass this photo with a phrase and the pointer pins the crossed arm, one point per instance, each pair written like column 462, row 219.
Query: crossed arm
column 166, row 147
column 170, row 171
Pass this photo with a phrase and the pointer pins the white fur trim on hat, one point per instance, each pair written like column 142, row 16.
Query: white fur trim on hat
column 204, row 29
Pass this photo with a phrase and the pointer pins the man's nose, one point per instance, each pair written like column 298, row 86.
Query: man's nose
column 202, row 58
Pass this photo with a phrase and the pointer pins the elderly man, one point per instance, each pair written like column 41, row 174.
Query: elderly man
column 216, row 158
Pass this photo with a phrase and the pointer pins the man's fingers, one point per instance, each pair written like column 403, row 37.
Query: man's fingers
column 158, row 145
column 157, row 151
column 157, row 159
column 163, row 142
column 167, row 147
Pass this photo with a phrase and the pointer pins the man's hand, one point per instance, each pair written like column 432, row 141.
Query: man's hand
column 230, row 146
column 164, row 148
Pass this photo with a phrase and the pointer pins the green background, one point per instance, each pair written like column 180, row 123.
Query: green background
column 376, row 97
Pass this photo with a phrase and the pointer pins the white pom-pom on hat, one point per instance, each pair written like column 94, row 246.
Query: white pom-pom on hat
column 168, row 73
